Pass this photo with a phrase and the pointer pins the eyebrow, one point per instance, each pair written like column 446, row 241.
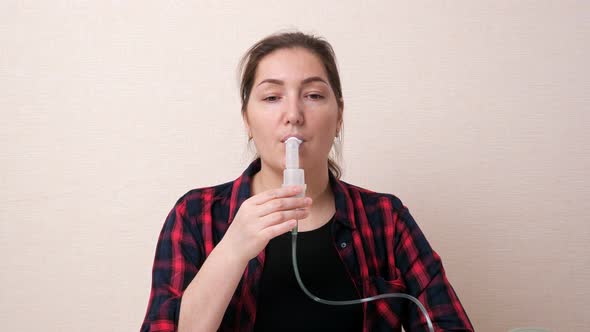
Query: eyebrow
column 305, row 81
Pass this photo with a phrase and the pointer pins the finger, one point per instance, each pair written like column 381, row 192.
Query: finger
column 283, row 204
column 268, row 195
column 276, row 230
column 279, row 217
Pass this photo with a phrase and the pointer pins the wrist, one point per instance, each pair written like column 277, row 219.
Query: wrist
column 232, row 255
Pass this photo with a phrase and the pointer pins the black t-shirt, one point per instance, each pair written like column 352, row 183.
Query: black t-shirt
column 282, row 305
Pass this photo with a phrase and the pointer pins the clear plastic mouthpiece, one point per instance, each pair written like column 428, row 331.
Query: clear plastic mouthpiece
column 292, row 152
column 293, row 175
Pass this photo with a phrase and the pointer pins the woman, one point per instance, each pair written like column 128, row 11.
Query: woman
column 223, row 258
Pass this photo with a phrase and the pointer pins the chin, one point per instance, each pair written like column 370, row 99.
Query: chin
column 274, row 163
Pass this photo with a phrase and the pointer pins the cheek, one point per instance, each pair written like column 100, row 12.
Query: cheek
column 258, row 123
column 264, row 134
column 324, row 136
column 324, row 123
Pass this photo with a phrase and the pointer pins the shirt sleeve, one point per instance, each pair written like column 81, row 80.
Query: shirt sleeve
column 175, row 265
column 425, row 278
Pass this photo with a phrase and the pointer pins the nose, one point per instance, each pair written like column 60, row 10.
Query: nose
column 294, row 112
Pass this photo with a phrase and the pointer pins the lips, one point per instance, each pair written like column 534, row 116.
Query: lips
column 293, row 135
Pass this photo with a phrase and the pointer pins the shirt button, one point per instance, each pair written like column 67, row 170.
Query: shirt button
column 343, row 245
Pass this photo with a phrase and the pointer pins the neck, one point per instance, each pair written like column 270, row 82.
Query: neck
column 317, row 181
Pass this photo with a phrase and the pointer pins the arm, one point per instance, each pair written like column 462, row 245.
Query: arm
column 202, row 304
column 178, row 254
column 425, row 277
column 208, row 295
column 207, row 287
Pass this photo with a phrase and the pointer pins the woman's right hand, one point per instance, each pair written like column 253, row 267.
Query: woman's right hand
column 263, row 217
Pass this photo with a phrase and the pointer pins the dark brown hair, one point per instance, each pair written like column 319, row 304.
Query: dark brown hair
column 316, row 45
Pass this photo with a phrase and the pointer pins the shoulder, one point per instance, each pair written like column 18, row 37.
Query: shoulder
column 195, row 200
column 371, row 199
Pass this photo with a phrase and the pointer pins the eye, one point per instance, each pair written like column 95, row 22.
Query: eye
column 315, row 96
column 271, row 99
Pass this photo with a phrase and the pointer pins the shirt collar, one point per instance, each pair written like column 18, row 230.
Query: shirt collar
column 241, row 190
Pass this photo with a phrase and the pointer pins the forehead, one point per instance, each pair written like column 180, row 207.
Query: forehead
column 290, row 64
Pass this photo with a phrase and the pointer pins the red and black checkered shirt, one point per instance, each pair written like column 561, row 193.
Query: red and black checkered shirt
column 377, row 239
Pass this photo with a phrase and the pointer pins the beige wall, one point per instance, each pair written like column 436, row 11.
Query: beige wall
column 475, row 113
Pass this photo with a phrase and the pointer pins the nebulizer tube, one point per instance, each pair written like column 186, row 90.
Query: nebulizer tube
column 293, row 175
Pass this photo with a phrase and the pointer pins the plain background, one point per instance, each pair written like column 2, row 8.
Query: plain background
column 474, row 113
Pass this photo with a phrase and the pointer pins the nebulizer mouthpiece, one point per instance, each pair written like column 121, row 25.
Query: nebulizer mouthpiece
column 292, row 152
column 294, row 176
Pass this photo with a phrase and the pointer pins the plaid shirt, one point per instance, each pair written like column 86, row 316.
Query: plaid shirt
column 377, row 239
